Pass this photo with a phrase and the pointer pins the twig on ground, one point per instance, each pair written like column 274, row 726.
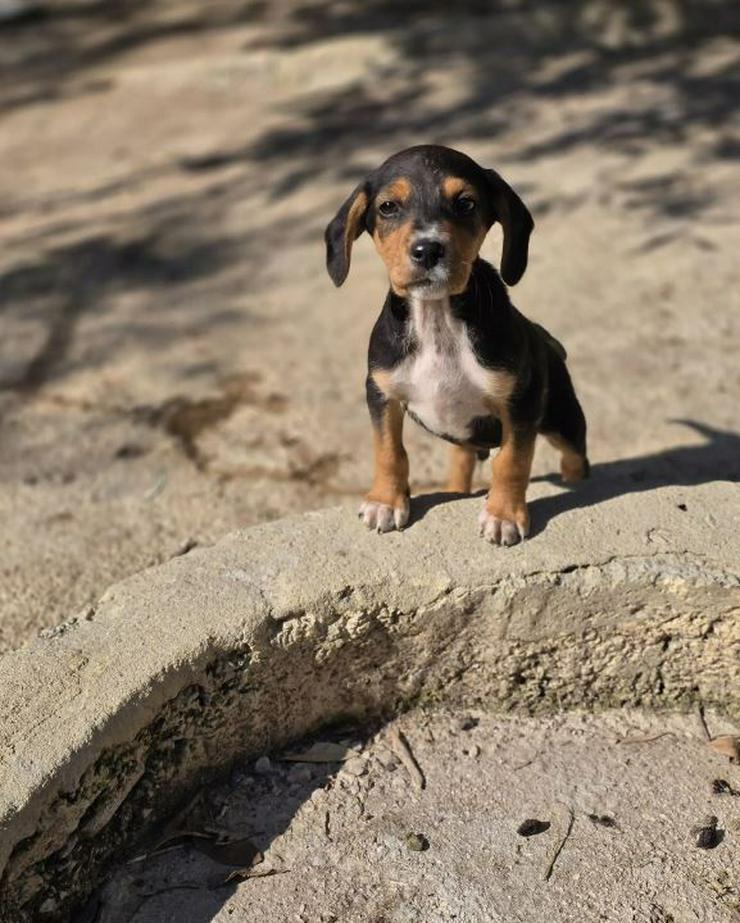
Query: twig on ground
column 401, row 748
column 559, row 848
column 155, row 852
column 703, row 722
column 247, row 873
column 643, row 740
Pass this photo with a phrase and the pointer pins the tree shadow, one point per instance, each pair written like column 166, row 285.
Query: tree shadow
column 507, row 56
column 718, row 459
column 47, row 51
column 513, row 55
column 162, row 251
column 69, row 281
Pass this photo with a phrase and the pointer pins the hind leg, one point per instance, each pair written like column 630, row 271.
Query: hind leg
column 564, row 424
column 574, row 465
column 462, row 466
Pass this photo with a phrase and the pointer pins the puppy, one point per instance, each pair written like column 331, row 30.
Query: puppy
column 449, row 348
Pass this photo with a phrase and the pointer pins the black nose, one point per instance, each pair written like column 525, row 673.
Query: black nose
column 427, row 252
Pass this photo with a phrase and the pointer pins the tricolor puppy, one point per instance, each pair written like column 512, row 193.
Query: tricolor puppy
column 449, row 348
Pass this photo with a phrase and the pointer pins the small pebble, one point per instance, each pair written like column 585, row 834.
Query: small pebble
column 417, row 842
column 707, row 836
column 603, row 820
column 388, row 760
column 262, row 766
column 350, row 784
column 354, row 767
column 723, row 787
column 531, row 827
column 467, row 724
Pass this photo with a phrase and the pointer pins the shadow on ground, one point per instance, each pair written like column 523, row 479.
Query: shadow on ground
column 514, row 54
column 506, row 59
column 718, row 459
column 249, row 812
column 175, row 250
column 551, row 50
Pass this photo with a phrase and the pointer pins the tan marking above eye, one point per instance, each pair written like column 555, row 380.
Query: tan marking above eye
column 397, row 191
column 454, row 186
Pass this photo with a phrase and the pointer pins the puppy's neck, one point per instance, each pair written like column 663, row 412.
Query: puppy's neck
column 418, row 302
column 431, row 320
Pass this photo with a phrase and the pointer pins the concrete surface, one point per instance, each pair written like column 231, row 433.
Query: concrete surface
column 231, row 651
column 175, row 363
column 337, row 837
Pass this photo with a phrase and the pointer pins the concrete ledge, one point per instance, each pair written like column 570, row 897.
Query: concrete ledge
column 236, row 649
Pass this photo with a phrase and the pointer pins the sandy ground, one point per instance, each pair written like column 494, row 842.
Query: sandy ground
column 174, row 361
column 617, row 797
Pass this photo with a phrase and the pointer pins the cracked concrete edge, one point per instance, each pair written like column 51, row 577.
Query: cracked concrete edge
column 238, row 648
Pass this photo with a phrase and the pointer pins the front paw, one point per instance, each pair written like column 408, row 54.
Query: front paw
column 384, row 517
column 502, row 526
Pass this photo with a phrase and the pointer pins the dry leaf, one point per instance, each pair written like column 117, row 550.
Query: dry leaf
column 727, row 745
column 323, row 751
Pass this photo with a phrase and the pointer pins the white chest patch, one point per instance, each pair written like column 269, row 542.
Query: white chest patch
column 441, row 382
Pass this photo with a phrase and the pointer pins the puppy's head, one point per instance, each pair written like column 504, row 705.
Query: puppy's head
column 428, row 210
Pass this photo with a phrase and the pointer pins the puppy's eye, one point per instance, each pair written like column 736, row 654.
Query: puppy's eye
column 389, row 209
column 464, row 204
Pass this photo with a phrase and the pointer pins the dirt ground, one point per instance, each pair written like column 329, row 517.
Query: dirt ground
column 494, row 819
column 174, row 360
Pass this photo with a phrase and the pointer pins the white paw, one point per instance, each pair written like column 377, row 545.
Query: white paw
column 500, row 531
column 382, row 517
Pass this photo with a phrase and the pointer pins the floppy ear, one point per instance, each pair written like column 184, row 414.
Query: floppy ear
column 517, row 225
column 341, row 233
